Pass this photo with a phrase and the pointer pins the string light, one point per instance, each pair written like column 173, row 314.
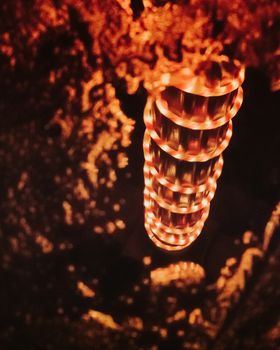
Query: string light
column 188, row 126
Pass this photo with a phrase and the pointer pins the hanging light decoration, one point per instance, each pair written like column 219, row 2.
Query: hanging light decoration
column 188, row 126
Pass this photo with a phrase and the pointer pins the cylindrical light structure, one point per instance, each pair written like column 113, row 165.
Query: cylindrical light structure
column 188, row 126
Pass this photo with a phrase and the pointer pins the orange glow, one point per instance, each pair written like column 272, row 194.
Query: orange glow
column 183, row 273
column 188, row 126
column 105, row 320
column 74, row 267
column 85, row 290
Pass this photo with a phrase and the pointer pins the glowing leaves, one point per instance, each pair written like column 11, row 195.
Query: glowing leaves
column 105, row 320
column 81, row 191
column 22, row 181
column 44, row 243
column 116, row 129
column 68, row 214
column 182, row 273
column 86, row 291
column 122, row 160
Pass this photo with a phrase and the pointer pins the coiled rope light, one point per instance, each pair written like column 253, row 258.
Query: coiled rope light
column 188, row 126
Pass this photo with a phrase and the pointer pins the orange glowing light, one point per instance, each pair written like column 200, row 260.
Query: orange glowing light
column 183, row 273
column 188, row 126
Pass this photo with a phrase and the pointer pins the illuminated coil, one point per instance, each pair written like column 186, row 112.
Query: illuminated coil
column 182, row 154
column 168, row 241
column 162, row 244
column 186, row 203
column 184, row 139
column 151, row 218
column 175, row 184
column 174, row 240
column 171, row 222
column 186, row 81
column 197, row 122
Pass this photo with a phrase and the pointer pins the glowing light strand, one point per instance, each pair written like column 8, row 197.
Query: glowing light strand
column 177, row 141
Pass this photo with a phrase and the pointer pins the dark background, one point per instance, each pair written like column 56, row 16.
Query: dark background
column 40, row 306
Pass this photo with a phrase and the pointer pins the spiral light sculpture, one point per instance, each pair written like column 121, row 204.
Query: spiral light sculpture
column 188, row 126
